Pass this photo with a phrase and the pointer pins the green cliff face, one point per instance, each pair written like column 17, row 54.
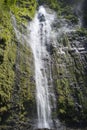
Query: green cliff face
column 17, row 85
column 69, row 74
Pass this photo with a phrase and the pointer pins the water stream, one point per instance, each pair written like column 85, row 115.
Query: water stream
column 40, row 35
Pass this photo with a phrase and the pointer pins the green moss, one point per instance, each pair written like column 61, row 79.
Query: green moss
column 82, row 31
column 70, row 81
column 72, row 18
column 7, row 58
column 23, row 11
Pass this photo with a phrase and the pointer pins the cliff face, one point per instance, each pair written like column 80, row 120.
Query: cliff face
column 69, row 66
column 17, row 87
column 69, row 74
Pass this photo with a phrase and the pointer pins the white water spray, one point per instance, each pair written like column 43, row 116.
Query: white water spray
column 40, row 33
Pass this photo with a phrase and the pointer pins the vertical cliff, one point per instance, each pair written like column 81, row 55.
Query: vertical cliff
column 17, row 86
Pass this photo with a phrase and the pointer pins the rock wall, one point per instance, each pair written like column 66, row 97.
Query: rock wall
column 17, row 85
column 69, row 74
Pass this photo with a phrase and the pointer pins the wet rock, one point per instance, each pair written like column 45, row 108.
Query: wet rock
column 70, row 84
column 41, row 17
column 26, row 17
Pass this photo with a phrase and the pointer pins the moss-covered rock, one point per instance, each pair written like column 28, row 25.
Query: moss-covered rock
column 24, row 10
column 17, row 96
column 69, row 74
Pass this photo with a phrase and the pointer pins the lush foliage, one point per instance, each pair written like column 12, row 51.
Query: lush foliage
column 54, row 4
column 23, row 11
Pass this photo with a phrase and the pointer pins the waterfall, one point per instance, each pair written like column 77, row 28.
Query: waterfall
column 39, row 40
column 46, row 30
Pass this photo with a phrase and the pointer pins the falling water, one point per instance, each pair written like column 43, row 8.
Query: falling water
column 40, row 33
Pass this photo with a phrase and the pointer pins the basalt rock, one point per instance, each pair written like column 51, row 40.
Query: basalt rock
column 70, row 70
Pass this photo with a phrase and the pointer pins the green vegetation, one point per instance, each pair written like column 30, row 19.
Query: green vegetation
column 10, row 87
column 82, row 31
column 71, row 87
column 51, row 3
column 24, row 10
column 7, row 59
column 72, row 18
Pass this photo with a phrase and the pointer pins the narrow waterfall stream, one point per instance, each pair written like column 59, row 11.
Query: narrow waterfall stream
column 40, row 33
